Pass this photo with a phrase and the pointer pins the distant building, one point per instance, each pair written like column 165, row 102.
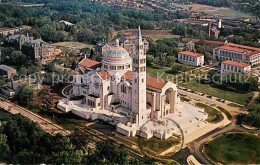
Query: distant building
column 7, row 31
column 191, row 58
column 189, row 46
column 215, row 32
column 27, row 45
column 207, row 42
column 240, row 53
column 234, row 67
column 7, row 71
column 66, row 23
column 102, row 47
column 12, row 87
column 50, row 53
column 127, row 43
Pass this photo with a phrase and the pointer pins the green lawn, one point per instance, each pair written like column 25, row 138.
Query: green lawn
column 214, row 116
column 240, row 98
column 68, row 120
column 234, row 149
column 185, row 99
column 156, row 71
column 234, row 105
column 158, row 145
column 229, row 116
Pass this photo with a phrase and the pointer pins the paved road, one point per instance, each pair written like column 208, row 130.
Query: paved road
column 197, row 145
column 44, row 123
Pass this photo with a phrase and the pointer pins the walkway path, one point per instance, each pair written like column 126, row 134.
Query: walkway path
column 66, row 91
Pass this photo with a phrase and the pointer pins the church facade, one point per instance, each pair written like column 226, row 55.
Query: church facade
column 120, row 91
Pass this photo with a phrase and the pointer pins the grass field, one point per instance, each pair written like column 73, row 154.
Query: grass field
column 234, row 149
column 155, row 71
column 73, row 44
column 185, row 99
column 158, row 145
column 229, row 116
column 214, row 116
column 240, row 98
column 223, row 11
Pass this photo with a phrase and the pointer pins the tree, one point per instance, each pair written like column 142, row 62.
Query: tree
column 85, row 35
column 26, row 93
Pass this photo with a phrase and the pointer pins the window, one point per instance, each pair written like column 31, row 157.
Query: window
column 112, row 67
column 142, row 69
column 108, row 88
column 142, row 61
column 143, row 80
column 123, row 88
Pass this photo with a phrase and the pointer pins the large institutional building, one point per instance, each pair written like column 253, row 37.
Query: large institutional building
column 238, row 53
column 191, row 58
column 234, row 67
column 118, row 91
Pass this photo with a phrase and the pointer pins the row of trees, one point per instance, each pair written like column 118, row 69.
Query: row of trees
column 24, row 142
column 92, row 21
column 253, row 118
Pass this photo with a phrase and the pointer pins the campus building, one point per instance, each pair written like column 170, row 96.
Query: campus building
column 238, row 53
column 229, row 66
column 7, row 71
column 191, row 58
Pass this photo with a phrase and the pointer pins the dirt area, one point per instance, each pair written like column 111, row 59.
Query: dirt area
column 73, row 44
column 154, row 34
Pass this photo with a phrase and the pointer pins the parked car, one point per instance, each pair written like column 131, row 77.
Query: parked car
column 197, row 99
column 218, row 99
column 223, row 101
column 209, row 96
column 208, row 103
column 213, row 105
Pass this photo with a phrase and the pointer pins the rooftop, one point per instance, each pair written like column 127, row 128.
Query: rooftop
column 5, row 68
column 150, row 81
column 86, row 62
column 235, row 63
column 234, row 49
column 104, row 75
column 191, row 54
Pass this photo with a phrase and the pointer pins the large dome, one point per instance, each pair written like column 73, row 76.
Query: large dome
column 117, row 60
column 117, row 53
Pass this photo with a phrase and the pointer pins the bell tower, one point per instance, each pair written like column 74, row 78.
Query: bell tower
column 139, row 115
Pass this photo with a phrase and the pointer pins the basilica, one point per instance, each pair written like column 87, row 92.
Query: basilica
column 119, row 91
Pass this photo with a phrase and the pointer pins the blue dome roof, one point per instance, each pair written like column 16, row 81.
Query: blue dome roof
column 117, row 53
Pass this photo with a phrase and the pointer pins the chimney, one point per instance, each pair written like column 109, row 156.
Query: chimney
column 209, row 28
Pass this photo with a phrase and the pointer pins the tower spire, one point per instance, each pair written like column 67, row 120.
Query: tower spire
column 139, row 34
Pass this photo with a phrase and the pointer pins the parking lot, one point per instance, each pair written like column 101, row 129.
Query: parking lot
column 208, row 99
